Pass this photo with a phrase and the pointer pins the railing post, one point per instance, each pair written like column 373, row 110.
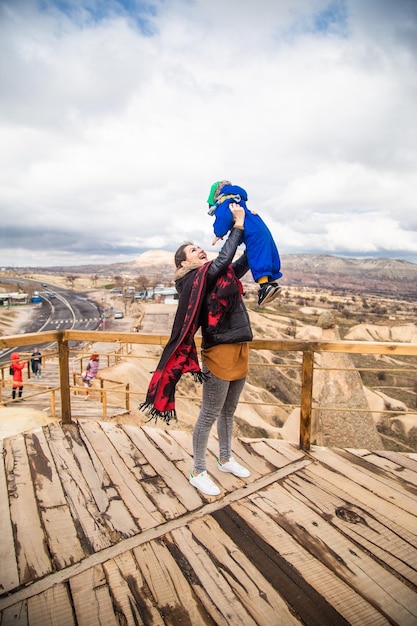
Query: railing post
column 52, row 401
column 127, row 397
column 306, row 399
column 63, row 357
column 104, row 404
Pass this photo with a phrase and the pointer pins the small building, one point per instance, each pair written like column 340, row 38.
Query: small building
column 13, row 298
column 165, row 295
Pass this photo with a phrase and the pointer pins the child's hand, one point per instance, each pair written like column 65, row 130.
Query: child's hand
column 215, row 240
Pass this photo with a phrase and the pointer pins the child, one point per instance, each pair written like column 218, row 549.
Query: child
column 263, row 255
column 91, row 372
column 17, row 368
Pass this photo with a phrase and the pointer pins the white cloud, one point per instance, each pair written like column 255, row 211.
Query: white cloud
column 115, row 124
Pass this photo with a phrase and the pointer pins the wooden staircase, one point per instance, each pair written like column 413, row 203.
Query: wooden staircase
column 43, row 394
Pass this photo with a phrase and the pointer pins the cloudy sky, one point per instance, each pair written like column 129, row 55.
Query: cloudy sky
column 116, row 116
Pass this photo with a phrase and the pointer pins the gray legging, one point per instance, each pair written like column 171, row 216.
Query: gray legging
column 220, row 399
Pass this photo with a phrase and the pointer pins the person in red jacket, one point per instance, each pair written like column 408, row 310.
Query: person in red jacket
column 17, row 367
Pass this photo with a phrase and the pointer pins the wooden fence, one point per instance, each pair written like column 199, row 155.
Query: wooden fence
column 308, row 349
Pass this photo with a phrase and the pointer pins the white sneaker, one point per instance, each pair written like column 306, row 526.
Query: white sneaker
column 233, row 467
column 204, row 484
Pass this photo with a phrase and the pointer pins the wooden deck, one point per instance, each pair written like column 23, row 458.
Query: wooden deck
column 100, row 525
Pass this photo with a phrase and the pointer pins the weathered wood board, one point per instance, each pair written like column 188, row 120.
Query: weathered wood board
column 101, row 526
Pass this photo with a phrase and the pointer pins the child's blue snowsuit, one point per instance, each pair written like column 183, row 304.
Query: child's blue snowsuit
column 262, row 253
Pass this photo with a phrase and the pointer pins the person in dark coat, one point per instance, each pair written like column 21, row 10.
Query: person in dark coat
column 210, row 297
column 36, row 363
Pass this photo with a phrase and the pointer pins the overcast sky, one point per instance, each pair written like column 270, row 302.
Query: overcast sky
column 116, row 116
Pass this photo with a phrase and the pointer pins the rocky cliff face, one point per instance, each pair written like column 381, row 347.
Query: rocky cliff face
column 341, row 387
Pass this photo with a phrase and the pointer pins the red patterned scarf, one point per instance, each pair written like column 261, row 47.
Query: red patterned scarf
column 180, row 354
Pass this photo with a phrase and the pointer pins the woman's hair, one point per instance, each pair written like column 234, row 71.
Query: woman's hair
column 94, row 357
column 180, row 255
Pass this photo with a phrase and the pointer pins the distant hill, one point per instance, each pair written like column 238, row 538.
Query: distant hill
column 379, row 276
column 384, row 276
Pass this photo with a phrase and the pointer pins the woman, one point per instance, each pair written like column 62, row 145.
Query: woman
column 17, row 368
column 210, row 296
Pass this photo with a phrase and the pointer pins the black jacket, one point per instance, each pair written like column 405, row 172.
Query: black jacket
column 237, row 329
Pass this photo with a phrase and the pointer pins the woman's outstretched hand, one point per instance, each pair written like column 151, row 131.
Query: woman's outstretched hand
column 238, row 213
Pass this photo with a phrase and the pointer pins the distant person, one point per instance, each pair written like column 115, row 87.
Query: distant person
column 16, row 368
column 36, row 363
column 263, row 256
column 91, row 372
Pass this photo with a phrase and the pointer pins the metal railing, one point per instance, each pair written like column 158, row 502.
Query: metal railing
column 307, row 349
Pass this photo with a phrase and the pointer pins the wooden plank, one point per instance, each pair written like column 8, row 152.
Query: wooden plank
column 111, row 507
column 402, row 523
column 272, row 456
column 355, row 567
column 185, row 440
column 368, row 530
column 130, row 595
column 132, row 455
column 313, row 572
column 391, row 465
column 141, row 508
column 403, row 460
column 248, row 592
column 91, row 598
column 169, row 588
column 16, row 615
column 286, row 449
column 153, row 484
column 9, row 575
column 89, row 520
column 60, row 530
column 52, row 607
column 176, row 481
column 149, row 535
column 167, row 443
column 379, row 482
column 32, row 553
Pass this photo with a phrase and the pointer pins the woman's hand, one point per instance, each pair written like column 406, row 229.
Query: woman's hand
column 238, row 213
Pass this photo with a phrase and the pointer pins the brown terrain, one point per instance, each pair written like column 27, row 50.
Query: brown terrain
column 359, row 299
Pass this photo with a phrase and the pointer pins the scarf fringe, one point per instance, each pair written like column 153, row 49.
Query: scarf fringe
column 154, row 414
column 200, row 377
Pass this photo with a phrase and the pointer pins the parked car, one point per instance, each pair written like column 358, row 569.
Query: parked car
column 118, row 315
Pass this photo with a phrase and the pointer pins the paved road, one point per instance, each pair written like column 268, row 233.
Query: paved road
column 60, row 309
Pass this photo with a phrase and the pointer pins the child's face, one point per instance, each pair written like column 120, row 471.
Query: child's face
column 194, row 254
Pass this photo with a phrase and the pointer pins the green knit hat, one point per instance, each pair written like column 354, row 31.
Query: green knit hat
column 215, row 190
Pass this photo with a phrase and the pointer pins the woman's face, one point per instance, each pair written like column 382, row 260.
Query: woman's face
column 194, row 254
